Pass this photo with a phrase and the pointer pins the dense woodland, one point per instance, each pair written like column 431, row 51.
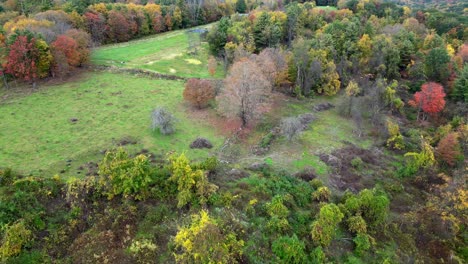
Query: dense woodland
column 397, row 69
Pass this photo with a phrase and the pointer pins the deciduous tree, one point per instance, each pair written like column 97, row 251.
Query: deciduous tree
column 430, row 99
column 199, row 92
column 245, row 93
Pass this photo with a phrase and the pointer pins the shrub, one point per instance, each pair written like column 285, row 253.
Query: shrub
column 323, row 229
column 357, row 224
column 291, row 127
column 278, row 213
column 289, row 249
column 15, row 237
column 144, row 250
column 318, row 256
column 395, row 139
column 199, row 92
column 322, row 194
column 120, row 174
column 316, row 183
column 357, row 163
column 448, row 149
column 363, row 243
column 192, row 184
column 163, row 120
column 6, row 177
column 204, row 241
column 415, row 161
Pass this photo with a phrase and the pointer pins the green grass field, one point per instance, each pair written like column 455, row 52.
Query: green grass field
column 165, row 53
column 37, row 134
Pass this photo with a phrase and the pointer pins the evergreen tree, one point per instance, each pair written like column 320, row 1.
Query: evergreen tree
column 241, row 6
column 460, row 91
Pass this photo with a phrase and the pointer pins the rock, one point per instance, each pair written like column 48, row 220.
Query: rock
column 200, row 143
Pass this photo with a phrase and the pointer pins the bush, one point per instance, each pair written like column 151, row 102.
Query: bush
column 163, row 120
column 363, row 243
column 323, row 229
column 120, row 174
column 357, row 224
column 192, row 184
column 199, row 92
column 322, row 194
column 15, row 237
column 204, row 241
column 357, row 163
column 448, row 149
column 291, row 127
column 6, row 177
column 289, row 250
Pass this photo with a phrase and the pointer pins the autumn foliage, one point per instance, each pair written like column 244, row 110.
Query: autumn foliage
column 23, row 58
column 448, row 149
column 69, row 48
column 199, row 92
column 430, row 99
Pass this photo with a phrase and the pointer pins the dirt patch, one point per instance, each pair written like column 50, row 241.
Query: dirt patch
column 346, row 175
column 200, row 143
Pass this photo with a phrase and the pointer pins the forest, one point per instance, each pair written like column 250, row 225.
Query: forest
column 238, row 131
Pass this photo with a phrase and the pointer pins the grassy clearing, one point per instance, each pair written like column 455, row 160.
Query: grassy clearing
column 164, row 53
column 327, row 8
column 326, row 134
column 37, row 134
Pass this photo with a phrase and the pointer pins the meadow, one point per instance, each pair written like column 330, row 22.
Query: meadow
column 79, row 120
column 163, row 53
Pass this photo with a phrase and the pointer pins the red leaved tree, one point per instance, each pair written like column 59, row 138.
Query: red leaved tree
column 23, row 57
column 120, row 27
column 430, row 99
column 199, row 92
column 83, row 41
column 69, row 47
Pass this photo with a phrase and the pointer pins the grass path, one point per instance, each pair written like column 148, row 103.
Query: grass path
column 37, row 132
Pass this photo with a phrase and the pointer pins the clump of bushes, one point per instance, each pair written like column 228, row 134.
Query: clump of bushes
column 199, row 92
column 163, row 120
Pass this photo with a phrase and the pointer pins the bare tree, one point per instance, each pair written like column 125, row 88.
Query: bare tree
column 163, row 120
column 245, row 93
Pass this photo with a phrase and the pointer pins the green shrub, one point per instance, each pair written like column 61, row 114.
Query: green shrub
column 209, row 164
column 6, row 177
column 16, row 236
column 323, row 229
column 192, row 185
column 121, row 174
column 357, row 163
column 316, row 183
column 204, row 241
column 357, row 224
column 289, row 250
column 363, row 243
column 323, row 194
column 318, row 256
